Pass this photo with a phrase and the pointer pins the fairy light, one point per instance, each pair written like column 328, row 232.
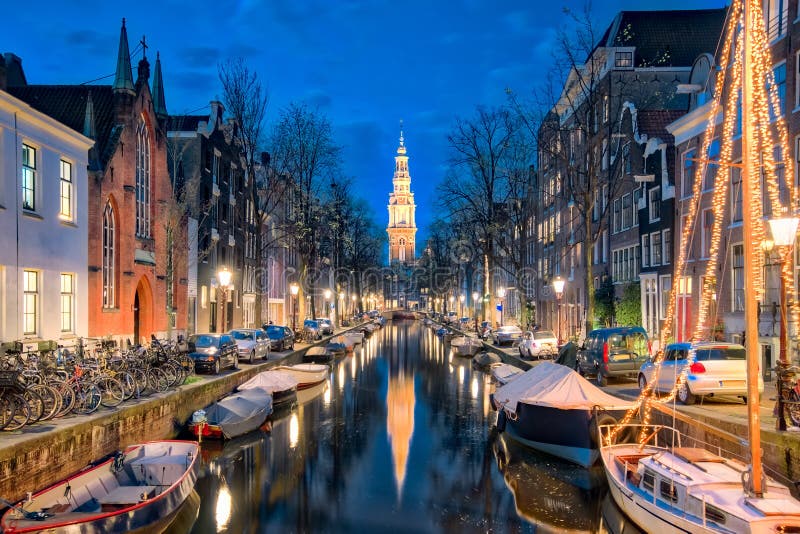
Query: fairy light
column 769, row 133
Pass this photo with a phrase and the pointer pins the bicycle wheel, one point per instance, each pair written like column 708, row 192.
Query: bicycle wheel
column 35, row 404
column 157, row 380
column 111, row 392
column 129, row 385
column 22, row 413
column 8, row 409
column 170, row 373
column 67, row 396
column 87, row 398
column 793, row 408
column 51, row 400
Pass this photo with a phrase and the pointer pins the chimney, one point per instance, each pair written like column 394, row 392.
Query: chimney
column 217, row 109
column 3, row 79
column 14, row 75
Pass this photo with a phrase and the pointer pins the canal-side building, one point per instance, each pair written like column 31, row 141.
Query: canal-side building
column 44, row 250
column 137, row 284
column 208, row 168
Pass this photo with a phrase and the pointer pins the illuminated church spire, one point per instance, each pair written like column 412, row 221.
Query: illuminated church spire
column 402, row 227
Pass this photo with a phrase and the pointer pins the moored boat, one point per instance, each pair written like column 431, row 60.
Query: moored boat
column 306, row 374
column 234, row 415
column 555, row 410
column 355, row 337
column 318, row 354
column 134, row 489
column 466, row 345
column 486, row 360
column 505, row 373
column 280, row 384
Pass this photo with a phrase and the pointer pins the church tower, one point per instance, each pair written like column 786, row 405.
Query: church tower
column 402, row 227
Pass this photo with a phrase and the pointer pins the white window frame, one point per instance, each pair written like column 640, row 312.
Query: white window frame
column 737, row 306
column 67, row 282
column 655, row 249
column 666, row 244
column 31, row 285
column 687, row 156
column 29, row 177
column 663, row 295
column 66, row 194
column 646, row 250
column 655, row 192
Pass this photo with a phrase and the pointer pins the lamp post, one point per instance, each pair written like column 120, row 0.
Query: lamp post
column 501, row 294
column 224, row 279
column 452, row 299
column 353, row 306
column 461, row 299
column 327, row 303
column 558, row 287
column 784, row 233
column 475, row 297
column 295, row 289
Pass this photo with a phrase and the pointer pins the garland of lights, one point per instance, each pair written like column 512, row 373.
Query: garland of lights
column 768, row 133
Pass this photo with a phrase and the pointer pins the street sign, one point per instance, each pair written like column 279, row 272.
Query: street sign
column 499, row 307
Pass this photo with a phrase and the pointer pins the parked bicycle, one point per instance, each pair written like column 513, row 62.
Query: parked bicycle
column 787, row 406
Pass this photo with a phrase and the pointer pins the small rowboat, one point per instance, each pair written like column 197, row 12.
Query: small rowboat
column 135, row 489
column 306, row 374
column 233, row 416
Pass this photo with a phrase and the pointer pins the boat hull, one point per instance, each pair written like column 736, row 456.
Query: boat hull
column 307, row 375
column 143, row 516
column 566, row 434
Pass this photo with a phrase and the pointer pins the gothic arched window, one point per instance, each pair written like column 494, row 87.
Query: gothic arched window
column 109, row 250
column 142, row 180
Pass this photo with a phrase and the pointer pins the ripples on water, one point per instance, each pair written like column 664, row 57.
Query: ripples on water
column 397, row 440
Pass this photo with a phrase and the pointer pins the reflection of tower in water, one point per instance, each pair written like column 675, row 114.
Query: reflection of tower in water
column 400, row 401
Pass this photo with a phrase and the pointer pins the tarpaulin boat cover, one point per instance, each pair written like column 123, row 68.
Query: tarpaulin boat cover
column 241, row 412
column 505, row 373
column 271, row 381
column 555, row 386
column 311, row 367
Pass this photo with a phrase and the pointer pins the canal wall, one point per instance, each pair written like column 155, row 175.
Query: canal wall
column 46, row 453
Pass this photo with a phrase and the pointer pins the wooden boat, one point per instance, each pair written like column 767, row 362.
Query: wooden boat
column 355, row 336
column 280, row 384
column 344, row 340
column 306, row 374
column 133, row 490
column 555, row 410
column 233, row 416
column 318, row 355
column 338, row 349
column 466, row 345
column 672, row 483
column 504, row 373
column 486, row 360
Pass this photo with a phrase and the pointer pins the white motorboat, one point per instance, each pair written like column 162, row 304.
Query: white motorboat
column 306, row 374
column 466, row 346
column 505, row 373
column 355, row 337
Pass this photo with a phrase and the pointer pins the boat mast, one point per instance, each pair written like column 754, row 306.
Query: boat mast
column 750, row 264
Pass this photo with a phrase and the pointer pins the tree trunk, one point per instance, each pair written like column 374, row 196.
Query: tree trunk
column 588, row 286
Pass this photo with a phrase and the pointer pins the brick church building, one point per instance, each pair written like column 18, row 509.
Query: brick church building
column 137, row 286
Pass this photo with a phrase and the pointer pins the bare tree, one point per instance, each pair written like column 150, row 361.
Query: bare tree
column 303, row 149
column 246, row 102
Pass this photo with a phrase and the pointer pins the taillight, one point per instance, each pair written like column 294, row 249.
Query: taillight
column 605, row 352
column 697, row 368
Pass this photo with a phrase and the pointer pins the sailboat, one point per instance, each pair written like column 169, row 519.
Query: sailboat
column 669, row 482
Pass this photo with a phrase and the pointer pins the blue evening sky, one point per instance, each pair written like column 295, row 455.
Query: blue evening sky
column 365, row 64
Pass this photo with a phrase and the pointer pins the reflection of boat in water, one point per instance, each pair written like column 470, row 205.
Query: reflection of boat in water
column 185, row 517
column 466, row 346
column 614, row 521
column 554, row 495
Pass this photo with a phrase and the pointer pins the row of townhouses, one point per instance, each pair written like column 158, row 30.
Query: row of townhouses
column 118, row 217
column 617, row 164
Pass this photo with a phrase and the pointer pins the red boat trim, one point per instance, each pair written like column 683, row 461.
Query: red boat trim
column 306, row 385
column 49, row 526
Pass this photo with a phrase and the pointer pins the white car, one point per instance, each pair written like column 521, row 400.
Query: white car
column 251, row 343
column 538, row 344
column 716, row 369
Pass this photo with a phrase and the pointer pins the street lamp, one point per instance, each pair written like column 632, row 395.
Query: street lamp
column 558, row 287
column 353, row 307
column 451, row 299
column 461, row 299
column 501, row 294
column 475, row 297
column 784, row 233
column 224, row 278
column 295, row 289
column 327, row 303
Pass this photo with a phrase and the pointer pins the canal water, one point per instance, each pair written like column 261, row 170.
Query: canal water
column 399, row 439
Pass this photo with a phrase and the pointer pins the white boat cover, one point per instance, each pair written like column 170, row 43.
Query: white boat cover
column 271, row 381
column 311, row 367
column 556, row 386
column 505, row 373
column 241, row 412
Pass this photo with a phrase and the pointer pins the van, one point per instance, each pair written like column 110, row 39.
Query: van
column 613, row 352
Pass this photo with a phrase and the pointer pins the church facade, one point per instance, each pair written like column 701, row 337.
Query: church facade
column 402, row 227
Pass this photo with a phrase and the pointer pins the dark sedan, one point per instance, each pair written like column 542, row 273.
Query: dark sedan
column 280, row 337
column 213, row 352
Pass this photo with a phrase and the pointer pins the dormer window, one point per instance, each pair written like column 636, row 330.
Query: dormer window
column 623, row 60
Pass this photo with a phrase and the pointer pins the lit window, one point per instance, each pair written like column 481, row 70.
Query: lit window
column 142, row 181
column 65, row 193
column 30, row 304
column 623, row 60
column 28, row 178
column 776, row 18
column 67, row 300
column 109, row 260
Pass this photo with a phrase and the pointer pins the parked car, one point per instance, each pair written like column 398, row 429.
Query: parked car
column 213, row 352
column 451, row 317
column 280, row 337
column 325, row 325
column 311, row 329
column 715, row 369
column 538, row 344
column 485, row 330
column 252, row 343
column 508, row 334
column 613, row 352
column 463, row 323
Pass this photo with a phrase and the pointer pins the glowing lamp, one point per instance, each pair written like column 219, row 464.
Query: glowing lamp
column 558, row 286
column 224, row 277
column 294, row 288
column 783, row 230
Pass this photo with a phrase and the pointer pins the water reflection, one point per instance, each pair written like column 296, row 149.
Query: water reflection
column 398, row 440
